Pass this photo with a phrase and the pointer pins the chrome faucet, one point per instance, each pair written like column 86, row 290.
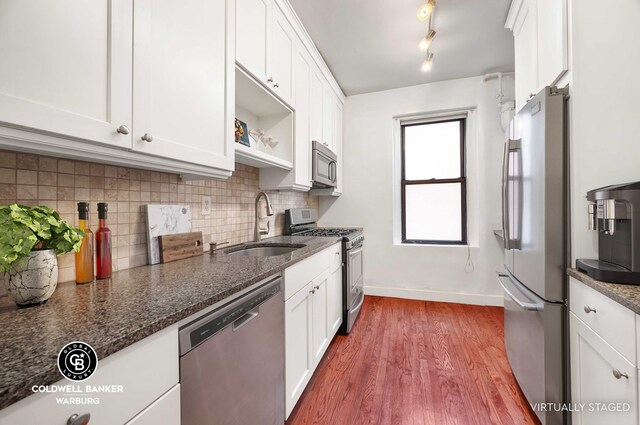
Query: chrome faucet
column 260, row 230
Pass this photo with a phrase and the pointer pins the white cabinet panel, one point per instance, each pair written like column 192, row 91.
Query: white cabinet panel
column 319, row 334
column 280, row 60
column 316, row 108
column 182, row 81
column 165, row 410
column 596, row 380
column 66, row 68
column 334, row 300
column 298, row 356
column 526, row 51
column 328, row 102
column 552, row 40
column 253, row 19
column 302, row 142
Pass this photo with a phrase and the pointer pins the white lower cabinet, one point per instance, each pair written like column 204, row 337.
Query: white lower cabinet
column 146, row 370
column 310, row 322
column 165, row 410
column 604, row 384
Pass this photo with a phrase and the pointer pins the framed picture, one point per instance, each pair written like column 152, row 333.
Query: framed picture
column 242, row 133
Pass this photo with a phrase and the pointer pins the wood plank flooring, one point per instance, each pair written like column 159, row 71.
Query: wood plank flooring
column 416, row 363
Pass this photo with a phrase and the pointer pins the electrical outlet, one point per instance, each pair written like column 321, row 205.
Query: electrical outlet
column 206, row 205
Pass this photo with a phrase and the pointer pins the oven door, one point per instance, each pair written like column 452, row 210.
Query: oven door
column 354, row 285
column 324, row 167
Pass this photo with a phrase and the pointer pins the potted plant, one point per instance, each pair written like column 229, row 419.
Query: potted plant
column 30, row 239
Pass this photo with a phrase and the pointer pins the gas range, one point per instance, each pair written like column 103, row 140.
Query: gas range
column 351, row 236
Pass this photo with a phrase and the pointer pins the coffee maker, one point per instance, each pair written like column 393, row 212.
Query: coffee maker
column 614, row 212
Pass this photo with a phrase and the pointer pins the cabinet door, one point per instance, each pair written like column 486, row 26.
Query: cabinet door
column 319, row 334
column 298, row 356
column 328, row 102
column 334, row 301
column 338, row 141
column 596, row 380
column 302, row 141
column 66, row 68
column 280, row 61
column 316, row 111
column 165, row 410
column 526, row 52
column 253, row 18
column 183, row 81
column 552, row 41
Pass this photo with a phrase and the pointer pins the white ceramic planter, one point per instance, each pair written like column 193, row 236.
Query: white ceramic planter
column 33, row 278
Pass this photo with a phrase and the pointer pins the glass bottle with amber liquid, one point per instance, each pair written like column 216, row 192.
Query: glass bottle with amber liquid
column 84, row 257
column 103, row 244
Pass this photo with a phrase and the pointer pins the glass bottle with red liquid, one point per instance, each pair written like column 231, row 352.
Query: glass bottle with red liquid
column 103, row 244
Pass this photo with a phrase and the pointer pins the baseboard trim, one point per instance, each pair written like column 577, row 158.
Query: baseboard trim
column 439, row 296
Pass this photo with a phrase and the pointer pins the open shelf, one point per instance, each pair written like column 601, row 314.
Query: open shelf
column 257, row 107
column 259, row 159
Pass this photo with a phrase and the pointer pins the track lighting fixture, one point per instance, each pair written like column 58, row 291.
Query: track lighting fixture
column 425, row 10
column 428, row 63
column 426, row 40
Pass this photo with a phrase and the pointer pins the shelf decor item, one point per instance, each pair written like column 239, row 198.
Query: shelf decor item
column 30, row 239
column 242, row 133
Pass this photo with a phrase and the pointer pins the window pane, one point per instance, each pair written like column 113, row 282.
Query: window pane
column 433, row 212
column 432, row 151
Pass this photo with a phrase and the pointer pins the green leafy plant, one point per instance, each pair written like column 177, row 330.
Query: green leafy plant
column 24, row 229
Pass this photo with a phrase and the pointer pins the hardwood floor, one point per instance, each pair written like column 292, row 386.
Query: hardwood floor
column 416, row 363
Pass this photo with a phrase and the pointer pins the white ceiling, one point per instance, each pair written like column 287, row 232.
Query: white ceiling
column 371, row 45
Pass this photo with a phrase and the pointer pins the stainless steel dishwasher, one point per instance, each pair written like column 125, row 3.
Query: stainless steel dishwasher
column 232, row 361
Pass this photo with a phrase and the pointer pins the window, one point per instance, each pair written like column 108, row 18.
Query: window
column 434, row 206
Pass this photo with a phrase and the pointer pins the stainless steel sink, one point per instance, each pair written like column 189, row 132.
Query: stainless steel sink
column 264, row 251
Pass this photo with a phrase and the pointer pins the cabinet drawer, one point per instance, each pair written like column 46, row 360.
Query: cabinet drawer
column 145, row 370
column 298, row 275
column 165, row 410
column 613, row 322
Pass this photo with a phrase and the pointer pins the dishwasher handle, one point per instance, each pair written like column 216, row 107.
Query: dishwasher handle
column 245, row 319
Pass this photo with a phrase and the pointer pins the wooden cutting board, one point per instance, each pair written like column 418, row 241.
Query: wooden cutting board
column 179, row 246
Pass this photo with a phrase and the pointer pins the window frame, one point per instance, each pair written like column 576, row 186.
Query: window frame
column 462, row 180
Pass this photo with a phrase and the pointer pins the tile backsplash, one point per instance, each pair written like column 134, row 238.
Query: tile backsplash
column 61, row 184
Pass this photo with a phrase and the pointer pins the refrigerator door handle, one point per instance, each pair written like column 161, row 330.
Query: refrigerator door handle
column 525, row 305
column 505, row 197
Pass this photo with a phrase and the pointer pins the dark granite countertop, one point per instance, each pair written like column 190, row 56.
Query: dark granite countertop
column 627, row 295
column 112, row 314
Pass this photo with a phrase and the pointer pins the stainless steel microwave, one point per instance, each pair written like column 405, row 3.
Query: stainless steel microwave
column 324, row 166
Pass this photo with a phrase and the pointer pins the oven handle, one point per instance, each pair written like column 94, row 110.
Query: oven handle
column 356, row 308
column 354, row 251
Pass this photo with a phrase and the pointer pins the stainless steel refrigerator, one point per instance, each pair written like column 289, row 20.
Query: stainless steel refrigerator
column 534, row 221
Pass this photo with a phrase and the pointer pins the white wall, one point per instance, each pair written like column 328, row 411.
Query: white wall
column 605, row 98
column 370, row 193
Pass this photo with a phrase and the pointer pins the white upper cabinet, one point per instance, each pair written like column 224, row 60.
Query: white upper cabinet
column 66, row 68
column 316, row 108
column 253, row 24
column 552, row 41
column 328, row 105
column 183, row 81
column 540, row 36
column 280, row 61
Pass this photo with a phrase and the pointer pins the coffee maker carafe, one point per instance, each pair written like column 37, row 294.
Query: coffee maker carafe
column 614, row 212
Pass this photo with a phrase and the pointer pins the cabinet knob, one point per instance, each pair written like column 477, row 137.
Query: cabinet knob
column 617, row 374
column 270, row 80
column 317, row 288
column 588, row 309
column 76, row 419
column 276, row 85
column 313, row 291
column 147, row 138
column 123, row 129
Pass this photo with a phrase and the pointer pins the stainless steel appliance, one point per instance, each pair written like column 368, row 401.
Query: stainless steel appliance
column 303, row 221
column 534, row 219
column 324, row 166
column 614, row 211
column 232, row 361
